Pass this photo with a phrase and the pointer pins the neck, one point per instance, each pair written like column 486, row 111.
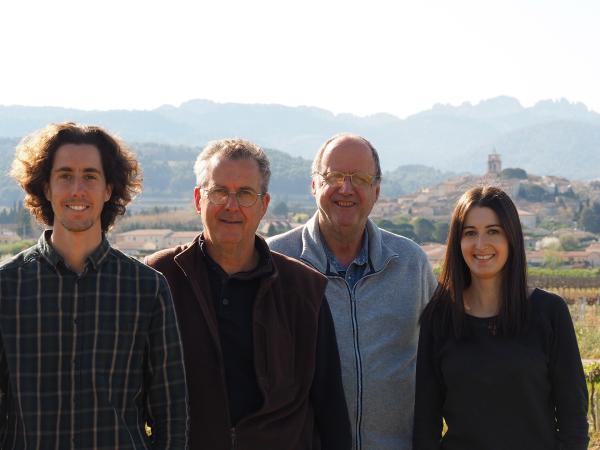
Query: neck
column 345, row 244
column 234, row 259
column 483, row 298
column 75, row 247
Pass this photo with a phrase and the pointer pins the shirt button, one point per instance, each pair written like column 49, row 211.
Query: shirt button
column 226, row 301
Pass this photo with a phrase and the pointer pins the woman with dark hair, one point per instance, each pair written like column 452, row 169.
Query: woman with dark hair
column 497, row 362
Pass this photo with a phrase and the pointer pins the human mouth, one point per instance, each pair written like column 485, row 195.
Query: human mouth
column 77, row 207
column 230, row 221
column 483, row 257
column 344, row 204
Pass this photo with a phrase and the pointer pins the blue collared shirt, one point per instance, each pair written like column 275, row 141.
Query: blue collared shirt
column 356, row 269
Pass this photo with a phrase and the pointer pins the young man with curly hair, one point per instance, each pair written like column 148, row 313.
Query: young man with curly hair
column 90, row 349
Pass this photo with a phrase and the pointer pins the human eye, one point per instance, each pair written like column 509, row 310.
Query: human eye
column 246, row 197
column 218, row 194
column 469, row 233
column 334, row 178
column 361, row 179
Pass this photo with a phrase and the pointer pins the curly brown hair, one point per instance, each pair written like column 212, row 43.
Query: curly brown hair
column 34, row 158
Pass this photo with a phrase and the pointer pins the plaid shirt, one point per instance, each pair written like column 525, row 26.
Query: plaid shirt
column 86, row 360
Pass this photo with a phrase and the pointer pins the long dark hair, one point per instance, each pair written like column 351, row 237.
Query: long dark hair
column 455, row 275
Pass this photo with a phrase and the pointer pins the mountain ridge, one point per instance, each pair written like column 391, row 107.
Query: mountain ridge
column 445, row 137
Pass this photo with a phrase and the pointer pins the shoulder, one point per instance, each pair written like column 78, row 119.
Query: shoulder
column 400, row 243
column 164, row 259
column 301, row 285
column 20, row 260
column 289, row 242
column 132, row 266
column 400, row 246
column 288, row 266
column 548, row 303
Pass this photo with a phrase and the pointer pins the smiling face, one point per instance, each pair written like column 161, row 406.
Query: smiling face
column 77, row 190
column 483, row 243
column 344, row 209
column 230, row 226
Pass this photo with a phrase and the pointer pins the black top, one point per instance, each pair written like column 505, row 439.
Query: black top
column 502, row 393
column 233, row 298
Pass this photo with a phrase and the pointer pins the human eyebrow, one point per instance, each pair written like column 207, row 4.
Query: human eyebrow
column 63, row 169
column 70, row 169
column 92, row 170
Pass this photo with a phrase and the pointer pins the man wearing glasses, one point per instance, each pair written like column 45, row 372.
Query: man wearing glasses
column 259, row 342
column 378, row 285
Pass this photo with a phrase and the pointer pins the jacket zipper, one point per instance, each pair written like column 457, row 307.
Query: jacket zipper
column 353, row 315
column 233, row 438
column 358, row 359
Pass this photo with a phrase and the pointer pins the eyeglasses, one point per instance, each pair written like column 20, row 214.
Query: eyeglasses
column 219, row 196
column 358, row 179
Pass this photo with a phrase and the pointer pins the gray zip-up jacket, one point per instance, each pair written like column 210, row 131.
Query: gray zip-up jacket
column 377, row 330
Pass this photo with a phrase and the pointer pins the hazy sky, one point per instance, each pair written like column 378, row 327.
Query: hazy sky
column 352, row 56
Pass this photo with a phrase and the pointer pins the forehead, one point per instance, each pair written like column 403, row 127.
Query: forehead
column 233, row 172
column 348, row 154
column 77, row 157
column 481, row 215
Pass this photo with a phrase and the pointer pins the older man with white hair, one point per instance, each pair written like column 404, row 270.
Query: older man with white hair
column 378, row 285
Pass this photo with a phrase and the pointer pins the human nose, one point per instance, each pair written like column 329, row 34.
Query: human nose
column 346, row 186
column 77, row 186
column 482, row 240
column 232, row 201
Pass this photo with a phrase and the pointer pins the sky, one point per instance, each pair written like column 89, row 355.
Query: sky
column 393, row 56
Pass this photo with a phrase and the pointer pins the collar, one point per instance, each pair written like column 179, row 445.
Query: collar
column 313, row 246
column 360, row 260
column 54, row 258
column 263, row 268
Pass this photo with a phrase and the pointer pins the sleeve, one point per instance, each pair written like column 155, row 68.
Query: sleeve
column 327, row 391
column 3, row 389
column 166, row 400
column 429, row 394
column 569, row 388
column 429, row 283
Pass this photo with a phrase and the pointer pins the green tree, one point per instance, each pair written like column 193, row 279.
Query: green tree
column 406, row 230
column 424, row 229
column 281, row 209
column 272, row 231
column 517, row 173
column 300, row 217
column 568, row 242
column 23, row 221
column 590, row 218
column 440, row 234
column 552, row 259
column 532, row 192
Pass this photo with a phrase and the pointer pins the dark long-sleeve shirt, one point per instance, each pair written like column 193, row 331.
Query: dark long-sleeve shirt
column 233, row 299
column 499, row 393
column 86, row 360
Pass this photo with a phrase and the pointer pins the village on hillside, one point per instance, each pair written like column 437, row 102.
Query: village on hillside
column 550, row 208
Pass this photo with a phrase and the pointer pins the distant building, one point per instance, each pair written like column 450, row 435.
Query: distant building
column 435, row 253
column 8, row 236
column 494, row 163
column 528, row 219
